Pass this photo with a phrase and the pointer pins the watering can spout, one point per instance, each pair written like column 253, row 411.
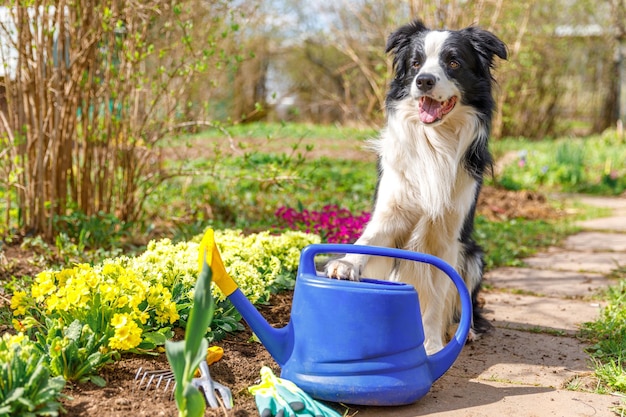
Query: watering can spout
column 278, row 342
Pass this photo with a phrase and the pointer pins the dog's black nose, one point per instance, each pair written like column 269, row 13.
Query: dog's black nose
column 426, row 82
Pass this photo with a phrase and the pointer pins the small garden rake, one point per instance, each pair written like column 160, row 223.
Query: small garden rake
column 148, row 379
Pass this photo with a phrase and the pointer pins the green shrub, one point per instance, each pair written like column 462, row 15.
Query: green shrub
column 75, row 352
column 587, row 165
column 26, row 387
column 132, row 303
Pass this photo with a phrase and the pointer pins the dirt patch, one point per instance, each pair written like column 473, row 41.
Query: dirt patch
column 238, row 369
column 16, row 261
column 498, row 204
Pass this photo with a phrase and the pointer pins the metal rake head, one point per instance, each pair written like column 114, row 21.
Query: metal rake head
column 144, row 380
column 165, row 379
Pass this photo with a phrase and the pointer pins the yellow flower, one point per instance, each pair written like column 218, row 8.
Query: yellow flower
column 44, row 285
column 66, row 274
column 92, row 279
column 109, row 292
column 127, row 279
column 127, row 333
column 16, row 339
column 24, row 323
column 19, row 303
column 155, row 294
column 77, row 296
column 18, row 325
column 135, row 300
column 143, row 316
column 57, row 345
column 110, row 269
column 119, row 320
column 61, row 302
column 121, row 302
column 171, row 313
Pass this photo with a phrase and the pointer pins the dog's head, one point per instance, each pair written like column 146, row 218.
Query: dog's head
column 440, row 69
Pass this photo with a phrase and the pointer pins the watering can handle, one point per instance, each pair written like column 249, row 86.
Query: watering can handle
column 440, row 361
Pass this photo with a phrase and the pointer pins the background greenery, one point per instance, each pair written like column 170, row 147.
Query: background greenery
column 156, row 70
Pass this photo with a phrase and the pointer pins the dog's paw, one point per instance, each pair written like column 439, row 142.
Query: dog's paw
column 473, row 336
column 342, row 269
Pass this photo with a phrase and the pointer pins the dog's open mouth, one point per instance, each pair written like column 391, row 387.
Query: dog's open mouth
column 432, row 110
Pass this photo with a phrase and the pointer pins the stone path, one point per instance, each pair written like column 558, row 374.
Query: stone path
column 532, row 364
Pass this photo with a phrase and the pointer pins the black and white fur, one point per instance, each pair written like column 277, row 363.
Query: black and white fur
column 432, row 157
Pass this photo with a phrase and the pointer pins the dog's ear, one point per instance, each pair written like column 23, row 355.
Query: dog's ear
column 402, row 36
column 486, row 44
column 398, row 44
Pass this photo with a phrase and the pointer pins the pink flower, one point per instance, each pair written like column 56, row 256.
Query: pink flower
column 333, row 224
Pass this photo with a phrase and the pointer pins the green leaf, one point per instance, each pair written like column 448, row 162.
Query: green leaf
column 196, row 357
column 98, row 380
column 175, row 352
column 74, row 330
column 155, row 338
column 14, row 395
column 145, row 345
column 194, row 401
column 202, row 311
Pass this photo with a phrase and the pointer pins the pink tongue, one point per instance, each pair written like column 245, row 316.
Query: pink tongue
column 430, row 110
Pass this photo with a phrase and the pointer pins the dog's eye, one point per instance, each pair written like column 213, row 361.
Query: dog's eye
column 416, row 64
column 454, row 64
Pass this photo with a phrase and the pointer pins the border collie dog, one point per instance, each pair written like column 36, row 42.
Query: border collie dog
column 432, row 157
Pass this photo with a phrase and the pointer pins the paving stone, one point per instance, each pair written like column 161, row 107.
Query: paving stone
column 509, row 373
column 524, row 358
column 615, row 203
column 596, row 241
column 615, row 223
column 460, row 397
column 558, row 259
column 514, row 311
column 547, row 282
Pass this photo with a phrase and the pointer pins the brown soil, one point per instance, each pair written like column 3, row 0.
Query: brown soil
column 499, row 204
column 238, row 369
column 243, row 359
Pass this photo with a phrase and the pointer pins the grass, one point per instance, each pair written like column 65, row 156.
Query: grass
column 546, row 330
column 607, row 336
column 275, row 137
column 291, row 131
column 506, row 243
column 245, row 191
column 592, row 165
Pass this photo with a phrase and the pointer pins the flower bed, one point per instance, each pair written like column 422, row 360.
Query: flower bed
column 80, row 318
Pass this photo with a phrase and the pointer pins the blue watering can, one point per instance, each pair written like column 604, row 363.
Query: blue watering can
column 352, row 342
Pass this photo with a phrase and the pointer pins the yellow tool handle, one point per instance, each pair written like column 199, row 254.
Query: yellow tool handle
column 209, row 253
